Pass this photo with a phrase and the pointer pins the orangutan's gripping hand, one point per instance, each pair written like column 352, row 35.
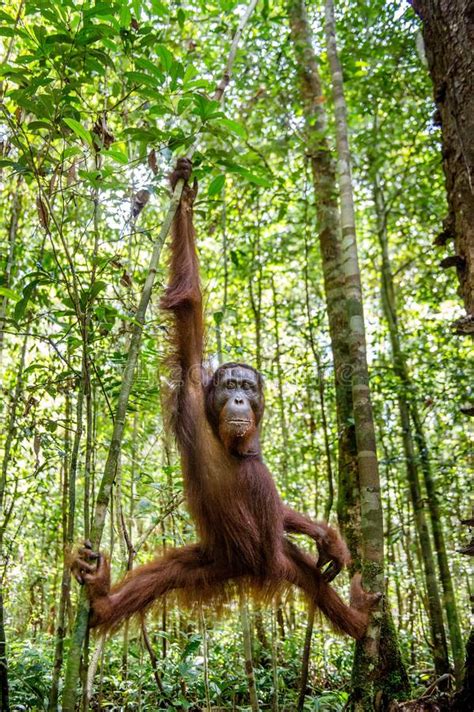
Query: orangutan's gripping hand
column 92, row 570
column 333, row 554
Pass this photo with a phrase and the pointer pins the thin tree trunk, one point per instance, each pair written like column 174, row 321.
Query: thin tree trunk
column 219, row 319
column 315, row 451
column 275, row 701
column 306, row 657
column 69, row 543
column 256, row 299
column 153, row 660
column 92, row 669
column 407, row 407
column 5, row 514
column 65, row 577
column 247, row 638
column 4, row 688
column 449, row 598
column 16, row 200
column 260, row 627
column 281, row 395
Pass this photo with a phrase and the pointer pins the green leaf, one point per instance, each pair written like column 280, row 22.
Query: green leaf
column 34, row 125
column 165, row 55
column 96, row 288
column 141, row 78
column 234, row 126
column 190, row 73
column 218, row 317
column 160, row 8
column 9, row 294
column 118, row 156
column 181, row 16
column 216, row 185
column 191, row 647
column 21, row 305
column 4, row 17
column 150, row 67
column 71, row 151
column 248, row 175
column 205, row 108
column 79, row 130
column 125, row 16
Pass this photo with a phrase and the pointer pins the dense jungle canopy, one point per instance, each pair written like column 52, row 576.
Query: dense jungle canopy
column 333, row 146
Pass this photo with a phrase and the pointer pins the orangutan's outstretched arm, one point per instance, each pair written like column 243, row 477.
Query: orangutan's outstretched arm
column 331, row 547
column 183, row 295
column 184, row 300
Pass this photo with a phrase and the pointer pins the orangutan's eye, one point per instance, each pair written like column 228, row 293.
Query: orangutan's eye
column 231, row 385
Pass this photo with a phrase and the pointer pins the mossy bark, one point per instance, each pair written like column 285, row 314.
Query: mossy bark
column 357, row 465
column 447, row 33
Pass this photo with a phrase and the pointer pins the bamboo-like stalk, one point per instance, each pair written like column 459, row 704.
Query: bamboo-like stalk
column 247, row 639
column 16, row 205
column 106, row 484
column 306, row 657
column 281, row 395
column 321, row 386
column 66, row 579
column 5, row 514
column 275, row 701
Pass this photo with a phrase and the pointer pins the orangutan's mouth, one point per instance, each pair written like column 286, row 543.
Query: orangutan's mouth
column 235, row 421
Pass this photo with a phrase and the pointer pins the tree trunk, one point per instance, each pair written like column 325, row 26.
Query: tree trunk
column 16, row 200
column 377, row 655
column 247, row 639
column 325, row 188
column 281, row 396
column 66, row 574
column 6, row 512
column 306, row 657
column 448, row 31
column 350, row 371
column 449, row 598
column 4, row 688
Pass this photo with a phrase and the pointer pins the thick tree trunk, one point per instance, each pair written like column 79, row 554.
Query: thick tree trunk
column 366, row 662
column 448, row 32
column 325, row 188
column 356, row 455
